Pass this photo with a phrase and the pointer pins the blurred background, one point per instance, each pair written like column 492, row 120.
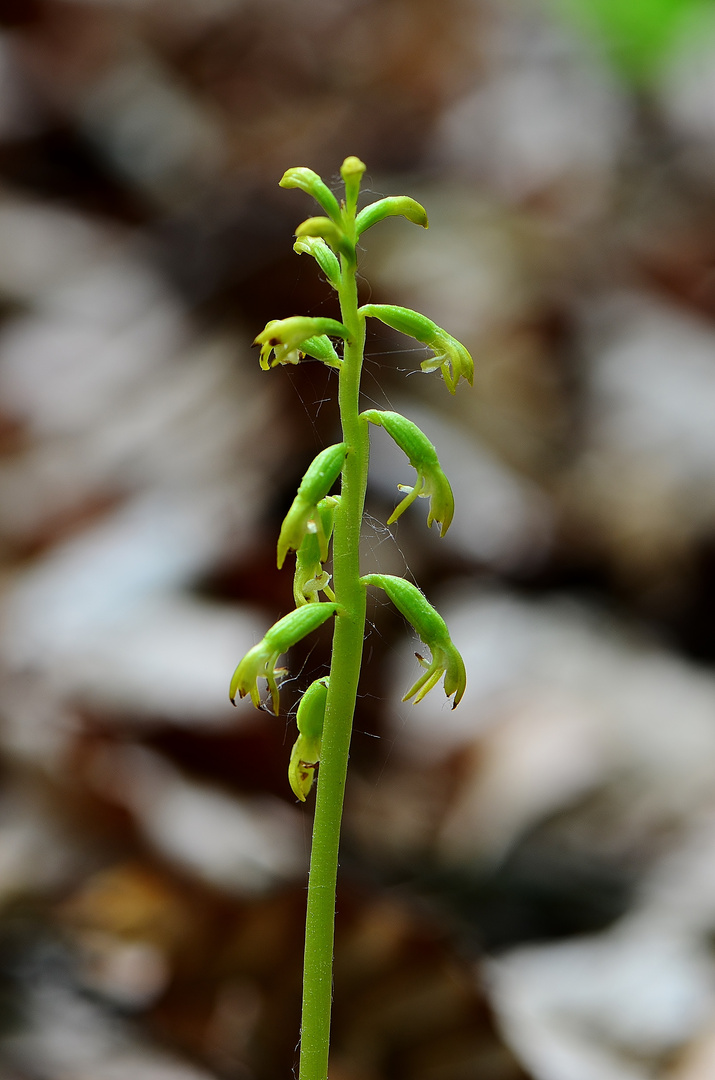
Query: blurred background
column 527, row 884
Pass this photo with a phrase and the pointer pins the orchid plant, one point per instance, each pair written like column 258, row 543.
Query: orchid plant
column 325, row 713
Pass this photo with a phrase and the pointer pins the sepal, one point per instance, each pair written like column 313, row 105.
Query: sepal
column 450, row 356
column 303, row 516
column 305, row 754
column 432, row 629
column 430, row 483
column 260, row 661
column 310, row 182
column 393, row 206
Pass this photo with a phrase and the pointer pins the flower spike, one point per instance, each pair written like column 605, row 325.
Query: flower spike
column 260, row 661
column 432, row 629
column 450, row 356
column 431, row 483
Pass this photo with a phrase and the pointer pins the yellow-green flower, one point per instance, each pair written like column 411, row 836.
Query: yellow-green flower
column 431, row 483
column 260, row 661
column 305, row 754
column 303, row 516
column 297, row 336
column 450, row 356
column 310, row 578
column 432, row 629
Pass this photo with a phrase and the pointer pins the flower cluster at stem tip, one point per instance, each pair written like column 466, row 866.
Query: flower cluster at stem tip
column 308, row 526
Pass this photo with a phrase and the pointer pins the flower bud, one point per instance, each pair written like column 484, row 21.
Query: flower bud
column 325, row 258
column 303, row 515
column 352, row 171
column 432, row 629
column 450, row 357
column 329, row 231
column 431, row 483
column 305, row 754
column 260, row 661
column 310, row 182
column 393, row 206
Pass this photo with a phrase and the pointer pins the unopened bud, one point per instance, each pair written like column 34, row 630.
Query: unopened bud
column 393, row 206
column 310, row 182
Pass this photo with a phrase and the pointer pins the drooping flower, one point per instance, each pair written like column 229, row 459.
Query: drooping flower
column 303, row 517
column 297, row 336
column 305, row 754
column 431, row 483
column 310, row 578
column 432, row 629
column 260, row 661
column 450, row 356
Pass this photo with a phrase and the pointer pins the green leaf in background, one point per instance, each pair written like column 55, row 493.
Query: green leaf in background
column 639, row 35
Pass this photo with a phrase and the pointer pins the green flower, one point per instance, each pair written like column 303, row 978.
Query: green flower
column 305, row 754
column 260, row 661
column 432, row 629
column 326, row 229
column 447, row 661
column 303, row 516
column 450, row 356
column 298, row 336
column 431, row 483
column 310, row 578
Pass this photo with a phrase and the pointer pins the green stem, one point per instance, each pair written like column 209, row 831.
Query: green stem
column 344, row 675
